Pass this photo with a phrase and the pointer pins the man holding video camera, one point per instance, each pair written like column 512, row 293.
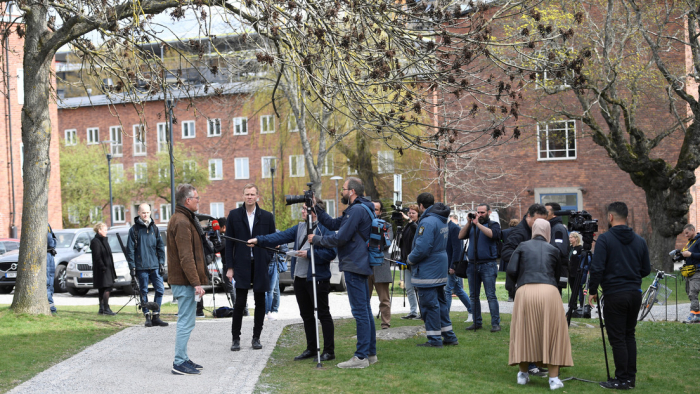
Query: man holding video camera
column 691, row 252
column 248, row 266
column 353, row 231
column 428, row 261
column 620, row 262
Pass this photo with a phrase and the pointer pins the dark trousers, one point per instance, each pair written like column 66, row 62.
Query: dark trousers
column 620, row 314
column 304, row 292
column 259, row 318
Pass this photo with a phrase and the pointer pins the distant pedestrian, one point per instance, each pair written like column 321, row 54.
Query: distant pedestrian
column 103, row 273
column 50, row 268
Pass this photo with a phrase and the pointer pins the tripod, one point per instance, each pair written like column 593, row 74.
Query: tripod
column 310, row 231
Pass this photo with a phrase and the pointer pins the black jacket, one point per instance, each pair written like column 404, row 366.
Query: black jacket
column 535, row 261
column 103, row 273
column 693, row 246
column 407, row 241
column 238, row 254
column 520, row 233
column 620, row 261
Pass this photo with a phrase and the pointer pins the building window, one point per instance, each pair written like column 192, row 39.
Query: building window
column 216, row 171
column 118, row 214
column 242, row 170
column 240, row 126
column 162, row 137
column 569, row 198
column 292, row 124
column 95, row 214
column 73, row 214
column 164, row 212
column 556, row 140
column 117, row 172
column 93, row 136
column 214, row 127
column 327, row 167
column 385, row 162
column 398, row 187
column 116, row 147
column 351, row 170
column 267, row 163
column 296, row 211
column 71, row 137
column 189, row 168
column 139, row 140
column 296, row 165
column 330, row 207
column 140, row 172
column 188, row 130
column 216, row 209
column 267, row 124
column 239, row 204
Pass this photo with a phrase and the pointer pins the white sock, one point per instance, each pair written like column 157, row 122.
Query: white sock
column 554, row 380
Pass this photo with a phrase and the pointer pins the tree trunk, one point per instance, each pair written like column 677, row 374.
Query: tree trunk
column 665, row 228
column 30, row 290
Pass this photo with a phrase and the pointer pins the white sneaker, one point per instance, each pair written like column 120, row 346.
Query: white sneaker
column 523, row 377
column 270, row 316
column 372, row 359
column 555, row 384
column 354, row 362
column 470, row 319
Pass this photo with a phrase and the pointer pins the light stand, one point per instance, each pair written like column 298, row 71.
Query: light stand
column 109, row 171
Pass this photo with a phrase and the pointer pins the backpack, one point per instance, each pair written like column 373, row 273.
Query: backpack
column 378, row 239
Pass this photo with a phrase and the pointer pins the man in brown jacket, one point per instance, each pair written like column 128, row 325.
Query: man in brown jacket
column 186, row 272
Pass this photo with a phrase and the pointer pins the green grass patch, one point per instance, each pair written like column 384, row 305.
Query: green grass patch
column 479, row 364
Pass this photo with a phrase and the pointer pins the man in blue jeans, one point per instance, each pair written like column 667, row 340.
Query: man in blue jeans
column 50, row 268
column 482, row 252
column 353, row 231
column 454, row 254
column 274, row 272
column 145, row 252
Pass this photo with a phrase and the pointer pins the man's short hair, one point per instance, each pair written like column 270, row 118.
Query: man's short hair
column 555, row 206
column 146, row 204
column 536, row 209
column 183, row 191
column 222, row 221
column 618, row 209
column 425, row 199
column 381, row 205
column 483, row 204
column 689, row 226
column 356, row 185
column 250, row 186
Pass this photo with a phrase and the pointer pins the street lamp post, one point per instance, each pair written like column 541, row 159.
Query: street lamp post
column 336, row 179
column 272, row 180
column 109, row 171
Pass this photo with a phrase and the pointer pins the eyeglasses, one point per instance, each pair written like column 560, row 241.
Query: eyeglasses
column 345, row 190
column 194, row 198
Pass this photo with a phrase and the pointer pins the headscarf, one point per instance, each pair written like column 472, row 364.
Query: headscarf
column 541, row 227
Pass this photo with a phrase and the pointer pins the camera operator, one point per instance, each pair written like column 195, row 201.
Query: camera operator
column 303, row 286
column 186, row 271
column 406, row 246
column 145, row 252
column 482, row 252
column 428, row 260
column 381, row 277
column 560, row 240
column 353, row 232
column 248, row 266
column 691, row 252
column 620, row 262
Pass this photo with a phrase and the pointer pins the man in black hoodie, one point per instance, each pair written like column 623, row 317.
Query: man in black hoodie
column 620, row 262
column 559, row 239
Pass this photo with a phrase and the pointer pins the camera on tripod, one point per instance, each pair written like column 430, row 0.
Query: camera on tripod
column 396, row 215
column 307, row 198
column 676, row 255
column 211, row 234
column 580, row 221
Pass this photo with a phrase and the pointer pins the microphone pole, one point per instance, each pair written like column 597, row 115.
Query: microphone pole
column 245, row 242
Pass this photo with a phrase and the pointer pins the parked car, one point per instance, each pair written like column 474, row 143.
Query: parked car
column 337, row 277
column 79, row 270
column 8, row 245
column 69, row 244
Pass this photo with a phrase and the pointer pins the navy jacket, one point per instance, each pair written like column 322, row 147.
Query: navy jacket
column 486, row 247
column 322, row 256
column 454, row 245
column 151, row 251
column 620, row 261
column 353, row 229
column 238, row 254
column 694, row 248
column 428, row 259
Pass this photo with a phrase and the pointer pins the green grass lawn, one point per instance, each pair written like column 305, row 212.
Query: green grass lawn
column 667, row 353
column 31, row 344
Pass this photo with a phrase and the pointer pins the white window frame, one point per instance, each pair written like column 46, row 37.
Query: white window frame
column 385, row 162
column 351, row 171
column 212, row 130
column 162, row 137
column 239, row 204
column 298, row 170
column 187, row 166
column 141, row 172
column 117, row 172
column 118, row 214
column 267, row 124
column 330, row 212
column 240, row 126
column 139, row 143
column 327, row 167
column 163, row 174
column 71, row 137
column 238, row 165
column 20, row 86
column 568, row 126
column 292, row 128
column 398, row 187
column 265, row 165
column 218, row 173
column 165, row 208
column 219, row 212
column 191, row 131
column 116, row 148
column 93, row 135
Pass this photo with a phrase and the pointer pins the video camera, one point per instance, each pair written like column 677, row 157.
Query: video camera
column 307, row 198
column 580, row 221
column 211, row 231
column 676, row 255
column 396, row 215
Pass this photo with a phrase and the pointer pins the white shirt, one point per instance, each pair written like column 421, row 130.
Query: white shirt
column 251, row 219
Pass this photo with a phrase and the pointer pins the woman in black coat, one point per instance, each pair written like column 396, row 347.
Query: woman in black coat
column 575, row 254
column 103, row 273
column 407, row 236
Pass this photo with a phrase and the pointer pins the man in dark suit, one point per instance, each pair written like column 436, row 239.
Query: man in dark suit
column 248, row 266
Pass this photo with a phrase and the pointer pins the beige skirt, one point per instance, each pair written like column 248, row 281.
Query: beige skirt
column 538, row 330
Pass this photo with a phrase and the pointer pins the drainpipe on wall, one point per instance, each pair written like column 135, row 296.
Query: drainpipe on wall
column 13, row 212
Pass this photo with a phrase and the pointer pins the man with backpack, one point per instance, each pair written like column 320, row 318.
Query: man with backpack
column 428, row 261
column 353, row 233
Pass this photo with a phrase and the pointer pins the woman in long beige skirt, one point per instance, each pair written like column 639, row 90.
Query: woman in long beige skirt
column 538, row 332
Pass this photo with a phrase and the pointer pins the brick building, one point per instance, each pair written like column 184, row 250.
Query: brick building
column 12, row 148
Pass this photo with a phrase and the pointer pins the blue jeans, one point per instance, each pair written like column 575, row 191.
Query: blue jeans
column 186, row 307
column 485, row 273
column 269, row 294
column 410, row 292
column 436, row 315
column 358, row 295
column 454, row 283
column 50, row 274
column 276, row 296
column 144, row 276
